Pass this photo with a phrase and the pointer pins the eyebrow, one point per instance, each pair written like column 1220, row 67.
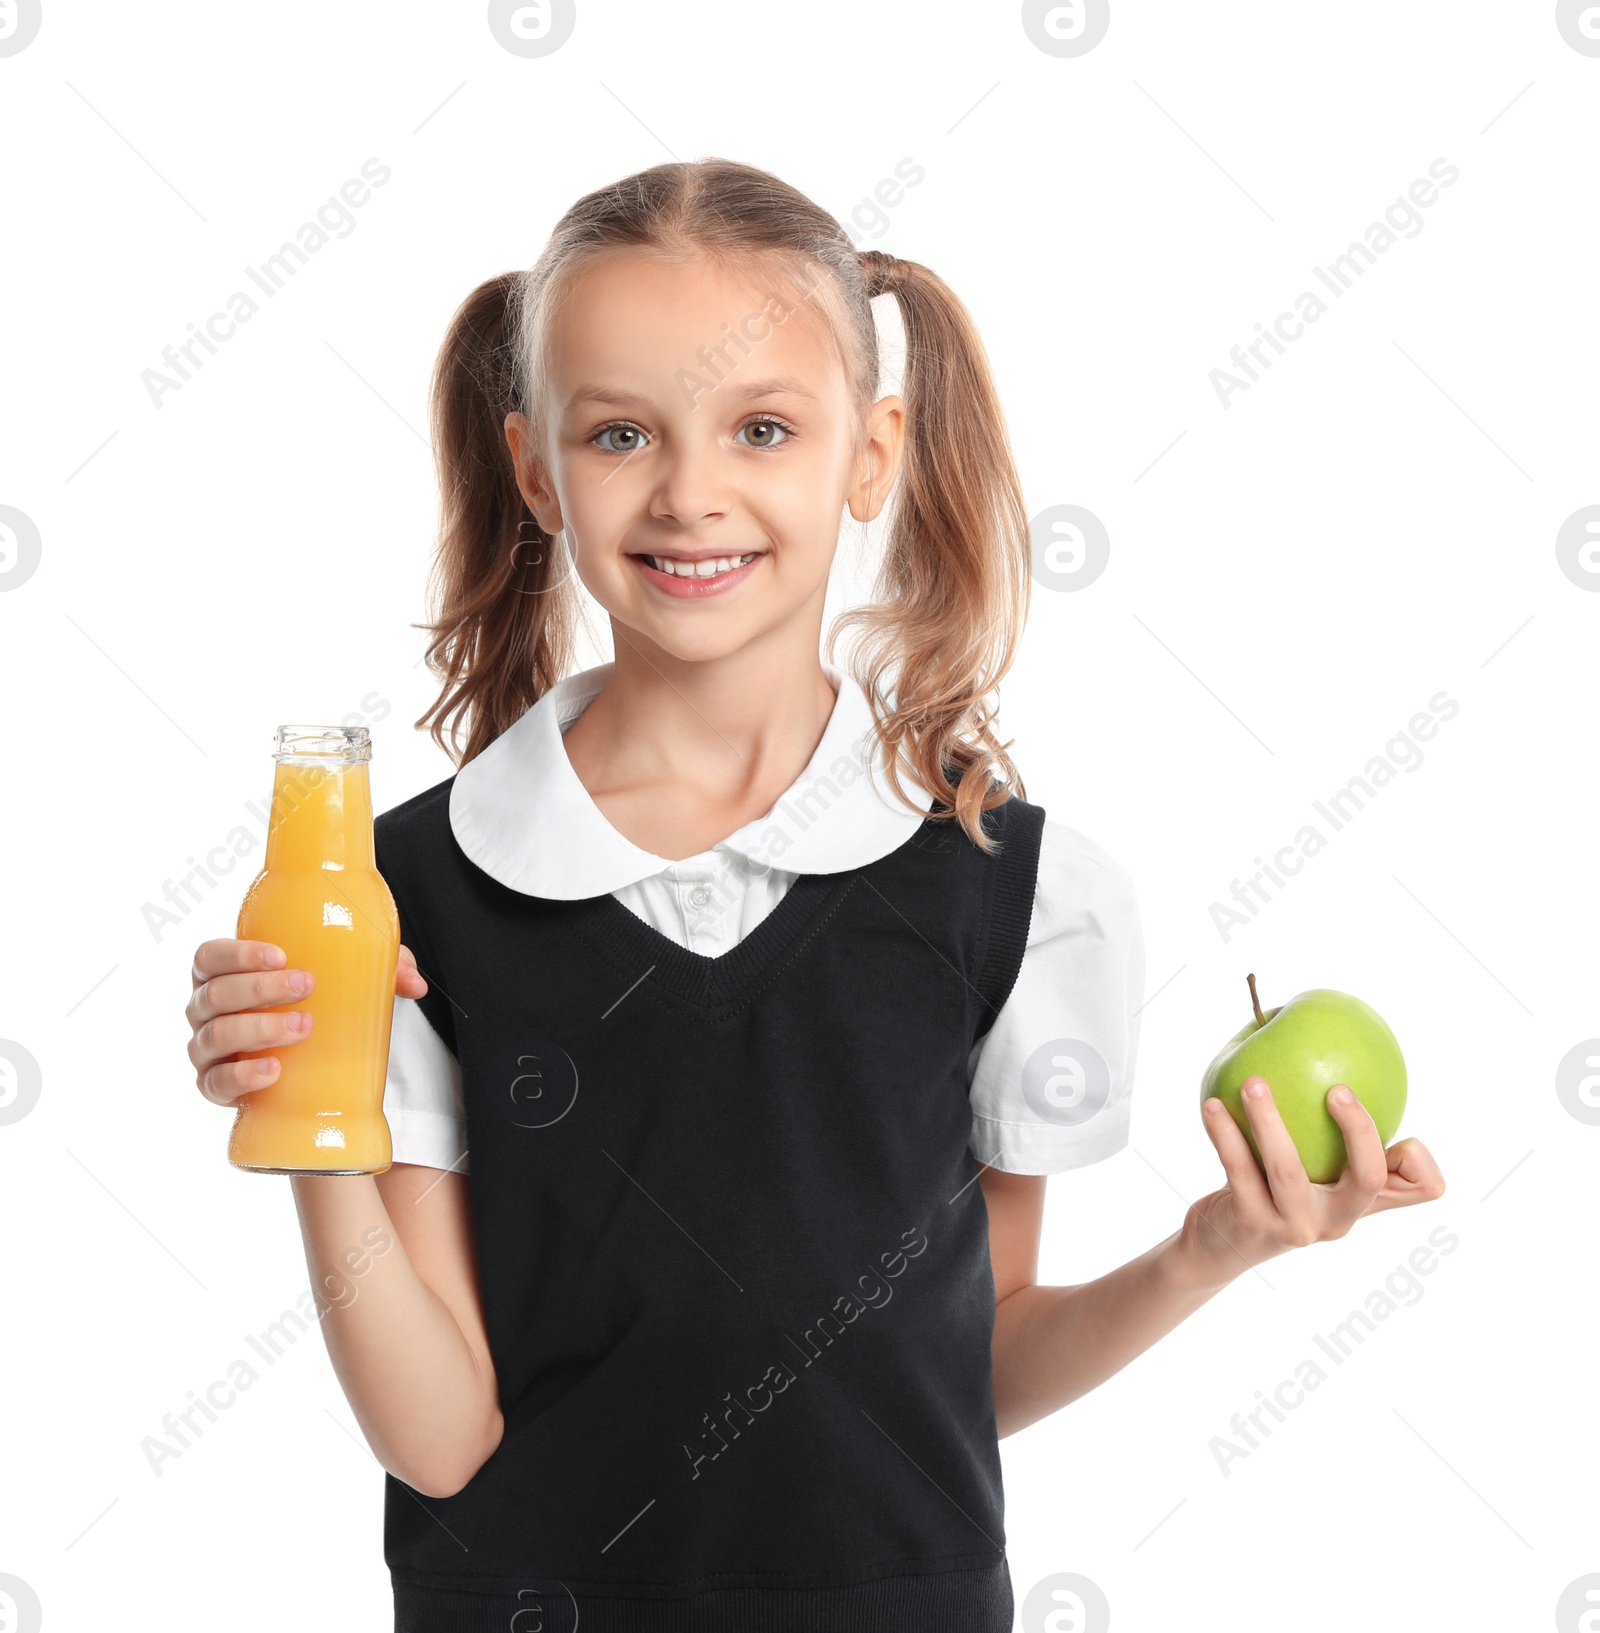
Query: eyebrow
column 736, row 390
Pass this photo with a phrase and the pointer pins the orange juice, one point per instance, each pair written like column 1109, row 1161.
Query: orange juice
column 321, row 898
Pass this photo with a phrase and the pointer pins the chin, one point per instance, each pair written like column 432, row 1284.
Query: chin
column 689, row 645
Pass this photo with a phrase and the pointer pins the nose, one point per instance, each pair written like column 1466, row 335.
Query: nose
column 691, row 481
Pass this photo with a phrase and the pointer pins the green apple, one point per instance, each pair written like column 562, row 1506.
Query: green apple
column 1302, row 1049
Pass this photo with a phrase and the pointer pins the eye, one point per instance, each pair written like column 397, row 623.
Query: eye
column 782, row 427
column 626, row 429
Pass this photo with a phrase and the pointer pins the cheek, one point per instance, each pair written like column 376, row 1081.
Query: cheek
column 589, row 503
column 806, row 499
column 586, row 552
column 604, row 574
column 802, row 563
column 594, row 516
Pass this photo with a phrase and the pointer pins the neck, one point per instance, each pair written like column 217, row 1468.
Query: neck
column 708, row 744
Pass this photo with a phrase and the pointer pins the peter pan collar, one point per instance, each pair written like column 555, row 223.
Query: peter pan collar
column 520, row 813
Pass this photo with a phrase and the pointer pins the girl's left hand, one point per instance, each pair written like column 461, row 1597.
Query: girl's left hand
column 1257, row 1216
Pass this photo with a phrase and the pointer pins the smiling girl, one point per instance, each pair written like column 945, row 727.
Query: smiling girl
column 745, row 1002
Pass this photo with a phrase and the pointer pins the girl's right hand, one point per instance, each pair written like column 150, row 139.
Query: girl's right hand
column 235, row 985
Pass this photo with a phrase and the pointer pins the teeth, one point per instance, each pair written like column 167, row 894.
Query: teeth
column 709, row 568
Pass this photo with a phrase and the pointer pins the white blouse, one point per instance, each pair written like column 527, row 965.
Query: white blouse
column 1049, row 1084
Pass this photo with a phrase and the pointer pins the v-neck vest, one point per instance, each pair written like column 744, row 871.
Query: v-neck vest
column 732, row 1252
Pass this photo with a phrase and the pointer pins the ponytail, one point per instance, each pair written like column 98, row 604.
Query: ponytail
column 954, row 586
column 505, row 599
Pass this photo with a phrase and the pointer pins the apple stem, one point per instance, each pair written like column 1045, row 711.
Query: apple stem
column 1255, row 1002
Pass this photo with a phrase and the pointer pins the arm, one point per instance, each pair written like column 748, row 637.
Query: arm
column 405, row 1331
column 391, row 1255
column 1053, row 1344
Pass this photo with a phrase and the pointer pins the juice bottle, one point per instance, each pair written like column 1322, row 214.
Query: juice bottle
column 320, row 897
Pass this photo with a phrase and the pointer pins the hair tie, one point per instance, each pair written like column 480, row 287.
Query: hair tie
column 880, row 273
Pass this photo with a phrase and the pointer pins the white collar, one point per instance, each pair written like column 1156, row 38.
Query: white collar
column 519, row 811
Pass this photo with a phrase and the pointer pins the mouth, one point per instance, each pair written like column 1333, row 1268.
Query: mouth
column 689, row 578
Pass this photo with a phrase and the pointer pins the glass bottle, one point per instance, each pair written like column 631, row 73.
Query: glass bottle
column 320, row 897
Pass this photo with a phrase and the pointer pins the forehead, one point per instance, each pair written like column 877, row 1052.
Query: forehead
column 636, row 321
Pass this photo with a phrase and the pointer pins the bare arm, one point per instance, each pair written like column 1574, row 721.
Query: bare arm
column 391, row 1255
column 1054, row 1344
column 402, row 1318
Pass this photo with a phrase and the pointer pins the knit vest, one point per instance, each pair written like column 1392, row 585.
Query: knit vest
column 732, row 1251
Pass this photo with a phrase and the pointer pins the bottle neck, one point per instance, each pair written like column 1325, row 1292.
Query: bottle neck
column 321, row 816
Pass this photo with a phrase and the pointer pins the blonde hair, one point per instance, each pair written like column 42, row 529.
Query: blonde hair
column 952, row 593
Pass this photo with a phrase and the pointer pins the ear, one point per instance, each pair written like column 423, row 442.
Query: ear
column 532, row 480
column 879, row 462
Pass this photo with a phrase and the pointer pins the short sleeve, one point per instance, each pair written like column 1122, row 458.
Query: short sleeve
column 1052, row 1079
column 422, row 1099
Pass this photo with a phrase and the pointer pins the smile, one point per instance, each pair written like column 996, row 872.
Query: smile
column 710, row 575
column 709, row 567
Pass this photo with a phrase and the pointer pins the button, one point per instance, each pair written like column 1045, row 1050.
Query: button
column 699, row 896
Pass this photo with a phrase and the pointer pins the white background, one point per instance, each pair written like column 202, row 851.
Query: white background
column 1373, row 522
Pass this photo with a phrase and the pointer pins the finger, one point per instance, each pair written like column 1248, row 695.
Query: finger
column 247, row 1031
column 224, row 954
column 1413, row 1176
column 409, row 981
column 1367, row 1168
column 1245, row 1179
column 251, row 989
column 224, row 1082
column 1286, row 1173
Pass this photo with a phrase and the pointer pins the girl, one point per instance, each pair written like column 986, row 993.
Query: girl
column 732, row 970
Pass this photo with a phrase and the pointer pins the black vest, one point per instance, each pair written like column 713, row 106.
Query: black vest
column 733, row 1255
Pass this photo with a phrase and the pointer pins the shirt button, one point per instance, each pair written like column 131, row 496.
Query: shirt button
column 699, row 896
